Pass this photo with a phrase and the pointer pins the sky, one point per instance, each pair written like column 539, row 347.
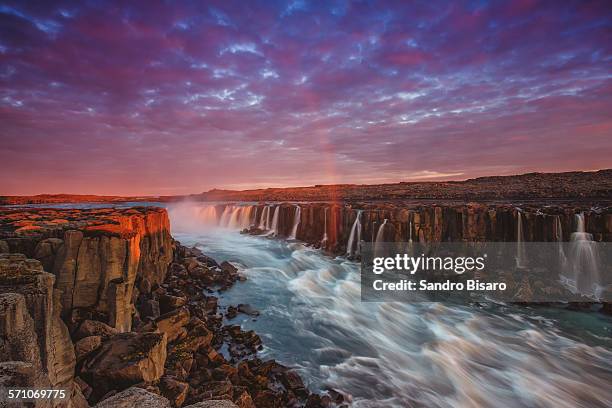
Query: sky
column 182, row 97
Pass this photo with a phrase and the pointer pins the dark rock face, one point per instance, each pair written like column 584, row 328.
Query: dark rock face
column 437, row 222
column 99, row 257
column 125, row 359
column 34, row 339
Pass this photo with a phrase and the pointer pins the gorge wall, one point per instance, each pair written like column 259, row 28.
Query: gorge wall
column 59, row 268
column 101, row 258
column 329, row 225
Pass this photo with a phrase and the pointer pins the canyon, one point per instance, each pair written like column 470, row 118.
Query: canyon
column 104, row 302
column 99, row 301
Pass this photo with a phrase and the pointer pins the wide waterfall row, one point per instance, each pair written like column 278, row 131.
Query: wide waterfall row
column 341, row 229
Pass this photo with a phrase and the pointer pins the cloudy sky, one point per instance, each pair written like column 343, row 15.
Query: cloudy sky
column 99, row 97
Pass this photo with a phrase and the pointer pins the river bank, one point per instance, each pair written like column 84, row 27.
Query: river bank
column 127, row 306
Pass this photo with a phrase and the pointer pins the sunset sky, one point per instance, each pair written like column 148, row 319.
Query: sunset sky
column 184, row 97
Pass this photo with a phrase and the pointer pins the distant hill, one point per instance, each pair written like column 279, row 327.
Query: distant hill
column 570, row 185
column 576, row 185
column 65, row 198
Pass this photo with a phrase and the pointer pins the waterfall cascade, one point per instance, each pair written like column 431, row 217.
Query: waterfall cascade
column 264, row 217
column 380, row 237
column 324, row 239
column 520, row 240
column 582, row 265
column 296, row 221
column 352, row 246
column 558, row 236
column 410, row 233
column 208, row 215
column 274, row 226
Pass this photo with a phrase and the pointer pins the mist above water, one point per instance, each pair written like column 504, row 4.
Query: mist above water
column 395, row 354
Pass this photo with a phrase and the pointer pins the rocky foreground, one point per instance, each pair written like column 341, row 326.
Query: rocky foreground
column 106, row 305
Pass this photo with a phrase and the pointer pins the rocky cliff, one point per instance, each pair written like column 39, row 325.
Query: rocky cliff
column 100, row 258
column 329, row 225
column 35, row 347
column 140, row 326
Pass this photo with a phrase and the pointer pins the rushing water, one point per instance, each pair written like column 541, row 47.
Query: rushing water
column 394, row 354
column 400, row 355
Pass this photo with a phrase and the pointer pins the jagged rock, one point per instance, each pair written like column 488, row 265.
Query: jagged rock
column 21, row 275
column 191, row 263
column 150, row 308
column 198, row 336
column 135, row 397
column 247, row 309
column 124, row 360
column 46, row 250
column 83, row 386
column 36, row 339
column 228, row 268
column 216, row 390
column 168, row 303
column 17, row 331
column 171, row 323
column 176, row 391
column 86, row 345
column 214, row 404
column 95, row 328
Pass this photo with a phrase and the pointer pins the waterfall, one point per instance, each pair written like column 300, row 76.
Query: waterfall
column 355, row 233
column 582, row 266
column 268, row 218
column 381, row 231
column 264, row 217
column 410, row 233
column 274, row 226
column 520, row 241
column 558, row 236
column 380, row 237
column 296, row 221
column 245, row 217
column 208, row 214
column 324, row 239
column 225, row 216
column 234, row 217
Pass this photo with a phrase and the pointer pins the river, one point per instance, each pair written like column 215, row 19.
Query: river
column 400, row 355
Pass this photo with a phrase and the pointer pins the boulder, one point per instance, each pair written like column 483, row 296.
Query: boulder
column 134, row 398
column 173, row 389
column 95, row 328
column 247, row 309
column 172, row 323
column 125, row 359
column 86, row 345
column 167, row 303
column 228, row 268
column 150, row 308
column 214, row 404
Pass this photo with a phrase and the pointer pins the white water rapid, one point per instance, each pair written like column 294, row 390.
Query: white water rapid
column 582, row 264
column 405, row 355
